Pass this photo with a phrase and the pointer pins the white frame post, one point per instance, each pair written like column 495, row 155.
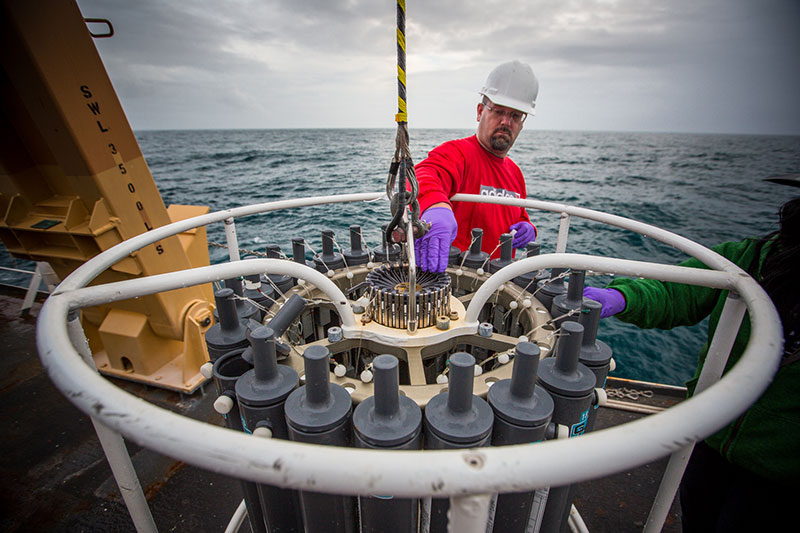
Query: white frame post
column 231, row 239
column 114, row 447
column 729, row 321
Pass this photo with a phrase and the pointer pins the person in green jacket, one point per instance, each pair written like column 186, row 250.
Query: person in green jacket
column 746, row 475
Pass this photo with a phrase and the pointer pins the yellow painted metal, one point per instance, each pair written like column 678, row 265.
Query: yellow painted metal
column 74, row 182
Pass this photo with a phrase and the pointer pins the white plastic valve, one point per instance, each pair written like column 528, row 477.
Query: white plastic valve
column 459, row 272
column 526, row 303
column 513, row 305
column 223, row 404
column 441, row 379
column 481, row 272
column 301, row 281
column 262, row 431
column 370, row 265
column 349, row 275
column 478, row 370
column 366, row 376
column 503, row 359
column 207, row 370
column 339, row 371
column 612, row 365
column 330, row 273
column 601, row 397
column 523, row 338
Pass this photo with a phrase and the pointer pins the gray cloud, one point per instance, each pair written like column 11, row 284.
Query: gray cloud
column 702, row 65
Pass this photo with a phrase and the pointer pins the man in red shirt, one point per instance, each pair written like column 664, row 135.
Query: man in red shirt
column 478, row 165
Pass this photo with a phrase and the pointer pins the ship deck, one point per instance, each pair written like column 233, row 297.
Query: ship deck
column 56, row 477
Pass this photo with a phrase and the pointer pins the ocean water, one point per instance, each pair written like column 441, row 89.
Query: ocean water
column 708, row 188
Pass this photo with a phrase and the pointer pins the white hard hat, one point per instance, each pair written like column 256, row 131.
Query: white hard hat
column 513, row 85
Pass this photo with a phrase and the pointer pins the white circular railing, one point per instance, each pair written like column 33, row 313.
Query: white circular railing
column 408, row 473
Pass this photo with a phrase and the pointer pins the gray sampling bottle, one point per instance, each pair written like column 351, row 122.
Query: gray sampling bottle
column 452, row 256
column 595, row 354
column 387, row 253
column 279, row 323
column 548, row 289
column 455, row 418
column 506, row 251
column 279, row 282
column 529, row 280
column 328, row 259
column 356, row 255
column 571, row 301
column 522, row 412
column 388, row 420
column 228, row 333
column 260, row 293
column 299, row 252
column 474, row 257
column 319, row 413
column 571, row 385
column 261, row 393
column 226, row 370
column 244, row 309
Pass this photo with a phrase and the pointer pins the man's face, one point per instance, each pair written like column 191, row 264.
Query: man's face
column 498, row 127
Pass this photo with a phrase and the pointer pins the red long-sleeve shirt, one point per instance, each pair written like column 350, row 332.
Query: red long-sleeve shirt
column 464, row 166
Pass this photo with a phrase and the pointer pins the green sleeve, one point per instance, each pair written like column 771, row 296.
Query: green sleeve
column 665, row 305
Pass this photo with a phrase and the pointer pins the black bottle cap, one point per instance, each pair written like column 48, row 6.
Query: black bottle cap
column 519, row 400
column 318, row 405
column 456, row 414
column 388, row 418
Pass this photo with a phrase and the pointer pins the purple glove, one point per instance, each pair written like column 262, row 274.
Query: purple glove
column 612, row 300
column 525, row 233
column 433, row 249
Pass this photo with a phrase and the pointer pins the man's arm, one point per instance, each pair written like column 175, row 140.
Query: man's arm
column 437, row 178
column 665, row 305
column 524, row 230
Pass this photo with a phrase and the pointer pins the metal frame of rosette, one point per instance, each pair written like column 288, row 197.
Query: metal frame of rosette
column 469, row 477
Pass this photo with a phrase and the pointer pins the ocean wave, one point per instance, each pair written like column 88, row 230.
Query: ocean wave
column 705, row 187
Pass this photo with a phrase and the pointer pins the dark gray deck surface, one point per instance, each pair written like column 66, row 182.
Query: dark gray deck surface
column 55, row 476
column 622, row 502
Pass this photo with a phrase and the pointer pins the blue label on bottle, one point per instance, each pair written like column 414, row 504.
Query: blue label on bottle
column 580, row 427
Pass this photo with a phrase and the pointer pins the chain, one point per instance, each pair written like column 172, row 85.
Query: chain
column 630, row 394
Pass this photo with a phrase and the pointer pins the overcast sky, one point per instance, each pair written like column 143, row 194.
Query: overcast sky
column 728, row 66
